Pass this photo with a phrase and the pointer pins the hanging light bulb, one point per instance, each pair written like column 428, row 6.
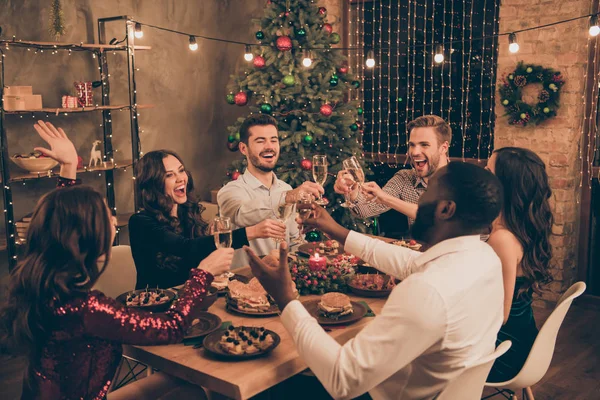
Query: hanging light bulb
column 138, row 31
column 594, row 28
column 439, row 54
column 193, row 45
column 306, row 59
column 513, row 46
column 248, row 56
column 370, row 59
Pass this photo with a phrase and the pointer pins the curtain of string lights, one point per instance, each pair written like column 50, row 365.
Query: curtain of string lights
column 407, row 82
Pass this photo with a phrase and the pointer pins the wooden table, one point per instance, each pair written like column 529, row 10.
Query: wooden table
column 240, row 379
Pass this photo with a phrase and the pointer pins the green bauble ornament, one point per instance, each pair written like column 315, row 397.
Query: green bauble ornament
column 313, row 236
column 356, row 84
column 231, row 138
column 289, row 80
column 335, row 38
column 546, row 110
column 308, row 139
column 266, row 108
column 260, row 35
column 230, row 98
column 354, row 127
column 333, row 82
column 359, row 110
column 334, row 76
column 300, row 32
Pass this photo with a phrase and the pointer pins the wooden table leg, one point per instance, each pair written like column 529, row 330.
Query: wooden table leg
column 529, row 393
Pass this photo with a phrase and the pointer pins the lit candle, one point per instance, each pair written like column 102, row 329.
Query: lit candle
column 317, row 263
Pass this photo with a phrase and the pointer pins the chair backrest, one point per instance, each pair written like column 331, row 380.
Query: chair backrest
column 120, row 275
column 541, row 353
column 469, row 384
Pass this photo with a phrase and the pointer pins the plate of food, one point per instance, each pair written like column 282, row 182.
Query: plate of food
column 411, row 244
column 372, row 285
column 202, row 325
column 326, row 248
column 241, row 342
column 221, row 282
column 155, row 300
column 250, row 299
column 335, row 308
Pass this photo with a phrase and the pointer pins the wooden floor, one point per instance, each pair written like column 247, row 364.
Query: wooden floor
column 573, row 375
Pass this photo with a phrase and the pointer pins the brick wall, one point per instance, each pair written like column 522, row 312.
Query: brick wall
column 556, row 141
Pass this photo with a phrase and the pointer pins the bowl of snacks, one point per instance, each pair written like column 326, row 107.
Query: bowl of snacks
column 155, row 300
column 34, row 162
column 372, row 285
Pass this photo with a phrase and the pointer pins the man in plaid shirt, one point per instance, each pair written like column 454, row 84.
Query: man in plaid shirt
column 430, row 137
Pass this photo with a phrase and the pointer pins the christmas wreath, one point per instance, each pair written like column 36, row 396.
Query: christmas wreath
column 518, row 111
column 334, row 278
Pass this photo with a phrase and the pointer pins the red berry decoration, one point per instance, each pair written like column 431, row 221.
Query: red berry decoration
column 306, row 164
column 343, row 69
column 328, row 28
column 326, row 110
column 235, row 175
column 241, row 98
column 259, row 61
column 284, row 43
column 322, row 10
column 412, row 242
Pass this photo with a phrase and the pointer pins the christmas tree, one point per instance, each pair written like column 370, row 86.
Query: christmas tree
column 296, row 76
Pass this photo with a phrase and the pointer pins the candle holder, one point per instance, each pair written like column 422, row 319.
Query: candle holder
column 317, row 263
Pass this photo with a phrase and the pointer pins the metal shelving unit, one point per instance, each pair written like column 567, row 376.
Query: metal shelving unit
column 100, row 50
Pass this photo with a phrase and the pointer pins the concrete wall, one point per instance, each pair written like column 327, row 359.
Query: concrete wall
column 187, row 88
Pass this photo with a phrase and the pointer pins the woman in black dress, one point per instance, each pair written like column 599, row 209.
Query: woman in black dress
column 168, row 237
column 520, row 237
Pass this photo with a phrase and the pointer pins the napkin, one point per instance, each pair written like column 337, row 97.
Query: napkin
column 370, row 312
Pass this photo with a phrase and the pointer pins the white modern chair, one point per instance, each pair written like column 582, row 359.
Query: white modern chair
column 469, row 384
column 120, row 275
column 541, row 353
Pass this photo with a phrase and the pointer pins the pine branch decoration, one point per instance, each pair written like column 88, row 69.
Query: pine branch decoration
column 57, row 21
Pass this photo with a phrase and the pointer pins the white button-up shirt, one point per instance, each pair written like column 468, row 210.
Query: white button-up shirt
column 248, row 202
column 442, row 317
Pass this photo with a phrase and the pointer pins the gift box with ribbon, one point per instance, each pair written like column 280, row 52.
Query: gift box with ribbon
column 85, row 97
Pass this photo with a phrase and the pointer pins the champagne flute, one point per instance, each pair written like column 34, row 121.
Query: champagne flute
column 222, row 232
column 352, row 166
column 304, row 211
column 283, row 213
column 319, row 171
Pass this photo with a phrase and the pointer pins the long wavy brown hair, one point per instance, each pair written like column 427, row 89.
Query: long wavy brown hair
column 68, row 233
column 150, row 179
column 526, row 211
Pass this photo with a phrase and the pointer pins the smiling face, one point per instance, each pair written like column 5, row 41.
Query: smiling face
column 262, row 150
column 176, row 180
column 425, row 152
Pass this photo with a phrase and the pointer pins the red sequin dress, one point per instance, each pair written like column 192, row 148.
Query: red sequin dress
column 84, row 347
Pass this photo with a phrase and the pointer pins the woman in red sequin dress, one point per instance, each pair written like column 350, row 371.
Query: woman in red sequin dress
column 73, row 335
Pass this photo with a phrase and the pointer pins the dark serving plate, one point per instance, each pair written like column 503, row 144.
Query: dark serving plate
column 312, row 306
column 207, row 323
column 122, row 298
column 211, row 345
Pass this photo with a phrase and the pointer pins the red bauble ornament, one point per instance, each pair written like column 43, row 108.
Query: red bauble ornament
column 284, row 43
column 259, row 61
column 235, row 175
column 322, row 10
column 328, row 28
column 326, row 110
column 241, row 98
column 306, row 164
column 233, row 146
column 343, row 69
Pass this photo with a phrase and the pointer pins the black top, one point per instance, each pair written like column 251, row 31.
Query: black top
column 148, row 237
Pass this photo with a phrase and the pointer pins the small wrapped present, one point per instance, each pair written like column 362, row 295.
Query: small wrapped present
column 85, row 97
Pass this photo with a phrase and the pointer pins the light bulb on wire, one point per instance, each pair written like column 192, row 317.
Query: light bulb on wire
column 306, row 59
column 594, row 28
column 248, row 56
column 193, row 45
column 138, row 31
column 370, row 59
column 513, row 46
column 439, row 54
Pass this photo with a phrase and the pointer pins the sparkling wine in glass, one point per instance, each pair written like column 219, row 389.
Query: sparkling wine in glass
column 319, row 171
column 222, row 232
column 283, row 213
column 352, row 166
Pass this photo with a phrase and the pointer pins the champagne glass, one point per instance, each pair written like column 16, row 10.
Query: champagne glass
column 352, row 166
column 319, row 171
column 222, row 232
column 304, row 211
column 283, row 213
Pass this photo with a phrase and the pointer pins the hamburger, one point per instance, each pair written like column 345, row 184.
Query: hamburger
column 334, row 305
column 249, row 296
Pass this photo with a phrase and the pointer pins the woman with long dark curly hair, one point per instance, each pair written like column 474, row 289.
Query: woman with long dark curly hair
column 520, row 236
column 168, row 237
column 73, row 335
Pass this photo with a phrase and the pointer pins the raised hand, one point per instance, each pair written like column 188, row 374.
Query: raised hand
column 345, row 184
column 307, row 188
column 61, row 148
column 321, row 220
column 269, row 228
column 373, row 192
column 218, row 262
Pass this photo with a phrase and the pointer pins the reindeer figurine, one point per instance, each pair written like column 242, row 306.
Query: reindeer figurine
column 95, row 155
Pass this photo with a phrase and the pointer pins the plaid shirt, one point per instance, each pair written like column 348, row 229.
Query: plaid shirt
column 405, row 185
